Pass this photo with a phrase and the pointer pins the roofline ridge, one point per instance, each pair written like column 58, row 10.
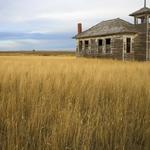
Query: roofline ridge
column 119, row 19
column 124, row 22
column 98, row 24
column 110, row 20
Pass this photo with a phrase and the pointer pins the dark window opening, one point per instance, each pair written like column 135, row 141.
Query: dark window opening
column 108, row 46
column 108, row 41
column 143, row 20
column 100, row 42
column 100, row 46
column 86, row 44
column 128, row 45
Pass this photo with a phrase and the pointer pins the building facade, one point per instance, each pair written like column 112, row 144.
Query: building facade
column 117, row 38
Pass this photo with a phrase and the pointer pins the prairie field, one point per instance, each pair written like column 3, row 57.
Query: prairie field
column 69, row 103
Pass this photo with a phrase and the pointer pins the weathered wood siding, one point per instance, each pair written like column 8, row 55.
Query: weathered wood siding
column 117, row 47
column 140, row 43
column 92, row 51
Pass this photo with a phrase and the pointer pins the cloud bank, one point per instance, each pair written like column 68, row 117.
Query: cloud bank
column 47, row 24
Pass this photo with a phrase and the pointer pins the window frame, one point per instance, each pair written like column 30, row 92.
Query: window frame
column 110, row 44
column 86, row 45
column 128, row 45
column 101, row 42
column 125, row 44
column 80, row 45
column 107, row 41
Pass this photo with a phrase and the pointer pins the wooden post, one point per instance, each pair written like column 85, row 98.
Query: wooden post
column 123, row 49
column 104, row 46
column 135, row 20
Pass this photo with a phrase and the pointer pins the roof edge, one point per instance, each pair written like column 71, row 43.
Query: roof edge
column 139, row 13
column 76, row 37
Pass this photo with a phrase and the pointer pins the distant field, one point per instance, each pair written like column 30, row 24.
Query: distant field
column 69, row 103
column 37, row 53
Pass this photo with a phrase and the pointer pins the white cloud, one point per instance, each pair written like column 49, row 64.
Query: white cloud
column 30, row 44
column 59, row 16
column 28, row 10
column 8, row 44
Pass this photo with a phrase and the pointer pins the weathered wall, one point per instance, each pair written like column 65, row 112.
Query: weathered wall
column 140, row 43
column 116, row 48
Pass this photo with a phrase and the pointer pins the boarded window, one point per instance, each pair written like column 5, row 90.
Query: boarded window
column 128, row 46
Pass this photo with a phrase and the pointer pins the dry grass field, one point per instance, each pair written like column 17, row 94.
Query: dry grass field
column 68, row 103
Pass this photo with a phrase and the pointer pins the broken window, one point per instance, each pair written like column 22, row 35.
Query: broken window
column 86, row 44
column 108, row 46
column 100, row 46
column 128, row 46
column 100, row 42
column 108, row 41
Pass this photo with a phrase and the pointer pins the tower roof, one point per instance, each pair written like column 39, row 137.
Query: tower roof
column 144, row 10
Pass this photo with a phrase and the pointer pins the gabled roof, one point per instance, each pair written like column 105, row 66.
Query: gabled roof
column 109, row 27
column 144, row 10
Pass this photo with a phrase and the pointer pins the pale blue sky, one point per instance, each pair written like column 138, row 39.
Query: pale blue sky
column 50, row 24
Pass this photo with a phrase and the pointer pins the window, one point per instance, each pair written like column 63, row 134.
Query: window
column 108, row 46
column 100, row 46
column 128, row 45
column 100, row 42
column 80, row 46
column 108, row 41
column 86, row 44
column 143, row 20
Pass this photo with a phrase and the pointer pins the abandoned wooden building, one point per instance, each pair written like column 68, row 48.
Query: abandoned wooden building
column 117, row 38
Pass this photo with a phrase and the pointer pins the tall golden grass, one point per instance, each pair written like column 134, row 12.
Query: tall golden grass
column 64, row 103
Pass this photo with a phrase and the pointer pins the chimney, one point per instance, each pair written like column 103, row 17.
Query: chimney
column 79, row 28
